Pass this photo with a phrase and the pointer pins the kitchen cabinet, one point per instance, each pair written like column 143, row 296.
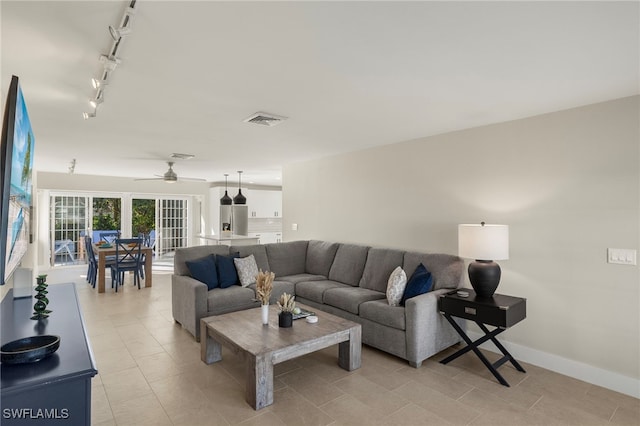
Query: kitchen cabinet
column 267, row 237
column 264, row 203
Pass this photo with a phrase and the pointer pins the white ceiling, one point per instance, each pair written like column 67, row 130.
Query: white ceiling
column 349, row 75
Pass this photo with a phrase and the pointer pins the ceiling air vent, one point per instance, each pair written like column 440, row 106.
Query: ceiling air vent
column 179, row 156
column 265, row 119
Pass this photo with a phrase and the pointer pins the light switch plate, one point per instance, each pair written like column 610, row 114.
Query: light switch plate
column 294, row 226
column 622, row 256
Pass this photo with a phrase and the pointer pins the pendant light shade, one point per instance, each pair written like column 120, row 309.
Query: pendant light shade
column 225, row 200
column 240, row 199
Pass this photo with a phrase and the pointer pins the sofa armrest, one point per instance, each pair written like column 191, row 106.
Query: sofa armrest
column 428, row 332
column 188, row 302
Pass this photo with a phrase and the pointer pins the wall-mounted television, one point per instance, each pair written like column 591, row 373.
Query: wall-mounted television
column 16, row 158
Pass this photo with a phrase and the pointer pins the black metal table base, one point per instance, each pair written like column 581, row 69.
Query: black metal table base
column 473, row 346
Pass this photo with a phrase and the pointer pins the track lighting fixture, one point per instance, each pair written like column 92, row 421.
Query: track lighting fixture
column 118, row 33
column 97, row 84
column 110, row 61
column 125, row 26
column 97, row 100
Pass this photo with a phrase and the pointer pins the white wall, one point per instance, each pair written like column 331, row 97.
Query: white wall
column 567, row 184
column 76, row 182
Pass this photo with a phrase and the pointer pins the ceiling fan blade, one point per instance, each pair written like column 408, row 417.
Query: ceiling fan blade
column 192, row 179
column 158, row 178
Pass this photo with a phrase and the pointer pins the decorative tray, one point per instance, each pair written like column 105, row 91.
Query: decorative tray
column 29, row 349
column 303, row 313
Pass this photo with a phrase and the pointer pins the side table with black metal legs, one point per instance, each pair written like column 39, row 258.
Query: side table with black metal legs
column 499, row 311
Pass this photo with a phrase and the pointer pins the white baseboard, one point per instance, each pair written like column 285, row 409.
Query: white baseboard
column 578, row 370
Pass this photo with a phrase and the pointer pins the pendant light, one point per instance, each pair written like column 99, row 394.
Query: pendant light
column 225, row 200
column 240, row 199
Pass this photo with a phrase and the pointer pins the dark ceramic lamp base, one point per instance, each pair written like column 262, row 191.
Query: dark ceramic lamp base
column 485, row 277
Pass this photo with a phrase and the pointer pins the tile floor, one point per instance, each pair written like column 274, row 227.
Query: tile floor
column 150, row 373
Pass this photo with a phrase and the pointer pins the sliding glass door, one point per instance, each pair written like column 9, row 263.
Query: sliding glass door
column 173, row 225
column 162, row 221
column 106, row 218
column 69, row 219
column 143, row 220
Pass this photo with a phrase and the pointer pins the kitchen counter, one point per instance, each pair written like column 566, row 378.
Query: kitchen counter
column 238, row 240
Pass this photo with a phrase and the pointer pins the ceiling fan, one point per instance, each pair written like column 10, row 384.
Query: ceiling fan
column 171, row 177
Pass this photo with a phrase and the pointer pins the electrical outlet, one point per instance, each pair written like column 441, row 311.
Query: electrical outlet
column 622, row 256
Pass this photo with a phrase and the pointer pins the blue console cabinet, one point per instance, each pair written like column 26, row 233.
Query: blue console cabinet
column 57, row 389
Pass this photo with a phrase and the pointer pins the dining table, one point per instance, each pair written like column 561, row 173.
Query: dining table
column 103, row 252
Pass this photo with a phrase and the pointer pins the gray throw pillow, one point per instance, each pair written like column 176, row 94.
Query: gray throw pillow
column 247, row 270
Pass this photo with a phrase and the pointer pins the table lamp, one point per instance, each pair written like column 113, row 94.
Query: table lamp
column 484, row 243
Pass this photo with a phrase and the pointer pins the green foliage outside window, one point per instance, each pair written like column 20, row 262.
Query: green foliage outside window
column 144, row 216
column 106, row 213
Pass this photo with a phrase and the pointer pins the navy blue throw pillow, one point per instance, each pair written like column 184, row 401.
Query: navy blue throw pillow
column 420, row 282
column 204, row 270
column 227, row 274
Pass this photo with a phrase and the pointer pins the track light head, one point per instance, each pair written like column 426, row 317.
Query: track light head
column 97, row 84
column 117, row 33
column 88, row 115
column 97, row 100
column 110, row 62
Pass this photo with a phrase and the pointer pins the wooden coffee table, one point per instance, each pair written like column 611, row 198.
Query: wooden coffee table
column 263, row 346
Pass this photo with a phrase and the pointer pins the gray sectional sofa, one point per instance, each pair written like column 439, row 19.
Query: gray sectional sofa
column 347, row 280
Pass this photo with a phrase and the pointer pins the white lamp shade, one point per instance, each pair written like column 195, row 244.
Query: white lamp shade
column 483, row 242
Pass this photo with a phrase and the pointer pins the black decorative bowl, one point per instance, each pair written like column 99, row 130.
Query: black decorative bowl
column 29, row 349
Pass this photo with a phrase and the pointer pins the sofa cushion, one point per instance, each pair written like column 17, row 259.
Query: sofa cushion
column 227, row 275
column 382, row 313
column 420, row 282
column 447, row 270
column 314, row 290
column 320, row 255
column 193, row 253
column 222, row 300
column 298, row 278
column 247, row 270
column 287, row 258
column 258, row 251
column 380, row 263
column 395, row 286
column 204, row 270
column 349, row 263
column 349, row 298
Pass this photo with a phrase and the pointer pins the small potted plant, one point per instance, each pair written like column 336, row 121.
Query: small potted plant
column 264, row 286
column 286, row 305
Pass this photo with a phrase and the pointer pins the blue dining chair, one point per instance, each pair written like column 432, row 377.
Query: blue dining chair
column 128, row 259
column 110, row 236
column 92, row 261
